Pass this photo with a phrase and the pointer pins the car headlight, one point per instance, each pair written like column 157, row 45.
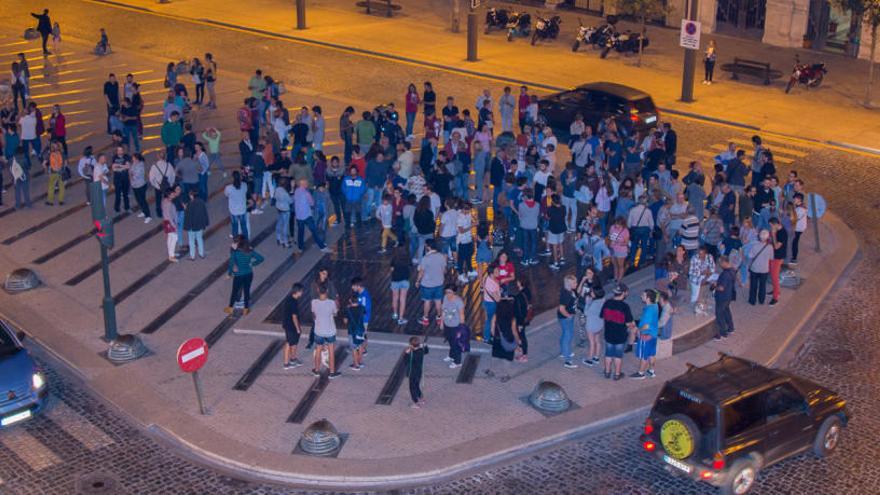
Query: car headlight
column 38, row 381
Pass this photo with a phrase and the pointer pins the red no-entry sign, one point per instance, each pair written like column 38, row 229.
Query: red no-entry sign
column 192, row 355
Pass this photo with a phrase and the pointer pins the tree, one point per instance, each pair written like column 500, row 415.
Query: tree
column 644, row 10
column 868, row 11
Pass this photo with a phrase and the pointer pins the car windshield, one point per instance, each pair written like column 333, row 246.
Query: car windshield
column 8, row 344
column 674, row 401
column 644, row 105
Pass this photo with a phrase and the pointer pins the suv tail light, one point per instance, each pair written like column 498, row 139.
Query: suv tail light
column 633, row 113
column 649, row 446
column 649, row 426
column 718, row 461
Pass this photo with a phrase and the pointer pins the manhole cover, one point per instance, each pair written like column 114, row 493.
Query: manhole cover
column 835, row 356
column 98, row 484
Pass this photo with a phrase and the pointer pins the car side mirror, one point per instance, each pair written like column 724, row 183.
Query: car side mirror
column 21, row 335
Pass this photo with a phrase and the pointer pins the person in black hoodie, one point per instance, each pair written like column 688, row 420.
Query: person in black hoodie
column 415, row 361
column 44, row 27
column 195, row 221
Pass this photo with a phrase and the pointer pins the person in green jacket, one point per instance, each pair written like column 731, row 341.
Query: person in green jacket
column 242, row 259
column 172, row 133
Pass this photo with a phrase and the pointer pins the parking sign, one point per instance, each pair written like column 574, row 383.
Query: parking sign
column 690, row 35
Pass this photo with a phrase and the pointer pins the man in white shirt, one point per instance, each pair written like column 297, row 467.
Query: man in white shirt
column 28, row 131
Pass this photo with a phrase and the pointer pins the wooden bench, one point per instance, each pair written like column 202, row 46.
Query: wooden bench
column 380, row 6
column 752, row 68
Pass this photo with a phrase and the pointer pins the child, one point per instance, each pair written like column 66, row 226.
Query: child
column 415, row 361
column 385, row 214
column 363, row 296
column 292, row 326
column 355, row 315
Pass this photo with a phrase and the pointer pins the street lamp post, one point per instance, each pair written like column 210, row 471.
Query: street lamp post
column 690, row 60
column 472, row 31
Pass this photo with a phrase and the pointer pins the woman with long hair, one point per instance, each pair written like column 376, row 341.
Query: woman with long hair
column 618, row 237
column 242, row 259
column 400, row 275
column 236, row 194
column 412, row 106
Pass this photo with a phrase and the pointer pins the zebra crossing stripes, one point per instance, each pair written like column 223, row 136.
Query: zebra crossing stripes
column 773, row 145
column 86, row 433
column 27, row 448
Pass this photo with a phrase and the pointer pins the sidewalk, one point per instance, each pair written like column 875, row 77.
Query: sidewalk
column 420, row 33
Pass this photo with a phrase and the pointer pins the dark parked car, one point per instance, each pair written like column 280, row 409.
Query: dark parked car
column 631, row 108
column 23, row 389
column 726, row 421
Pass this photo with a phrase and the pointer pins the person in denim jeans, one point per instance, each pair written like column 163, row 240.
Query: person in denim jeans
column 283, row 203
column 303, row 206
column 236, row 194
column 491, row 296
column 565, row 314
column 195, row 221
column 529, row 212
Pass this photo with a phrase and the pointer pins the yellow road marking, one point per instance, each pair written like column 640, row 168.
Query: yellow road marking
column 769, row 143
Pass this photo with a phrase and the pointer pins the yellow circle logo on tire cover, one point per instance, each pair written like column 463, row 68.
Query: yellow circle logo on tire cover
column 676, row 439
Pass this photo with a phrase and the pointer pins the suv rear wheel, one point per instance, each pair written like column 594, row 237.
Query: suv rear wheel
column 828, row 437
column 741, row 478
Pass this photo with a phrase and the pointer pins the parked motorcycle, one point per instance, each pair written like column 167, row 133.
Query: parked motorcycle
column 809, row 75
column 496, row 18
column 588, row 35
column 626, row 43
column 518, row 25
column 546, row 29
column 584, row 35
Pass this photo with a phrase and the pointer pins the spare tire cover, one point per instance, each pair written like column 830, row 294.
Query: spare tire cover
column 679, row 436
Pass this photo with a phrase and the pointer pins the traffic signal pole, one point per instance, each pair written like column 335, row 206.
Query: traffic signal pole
column 104, row 227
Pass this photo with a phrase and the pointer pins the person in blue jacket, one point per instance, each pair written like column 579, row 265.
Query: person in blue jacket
column 363, row 297
column 353, row 189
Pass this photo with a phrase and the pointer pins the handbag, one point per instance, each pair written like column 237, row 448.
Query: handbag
column 66, row 174
column 507, row 345
column 167, row 227
column 17, row 171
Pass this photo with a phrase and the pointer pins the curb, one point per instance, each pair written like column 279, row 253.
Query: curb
column 846, row 147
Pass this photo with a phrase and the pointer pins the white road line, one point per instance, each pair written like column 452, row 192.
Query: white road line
column 776, row 157
column 28, row 449
column 67, row 419
column 775, row 146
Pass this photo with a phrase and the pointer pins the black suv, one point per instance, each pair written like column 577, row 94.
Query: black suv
column 724, row 422
column 630, row 107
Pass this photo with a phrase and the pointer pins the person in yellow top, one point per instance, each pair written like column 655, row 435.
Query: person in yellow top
column 56, row 165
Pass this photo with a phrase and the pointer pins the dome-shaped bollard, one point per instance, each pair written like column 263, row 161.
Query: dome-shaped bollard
column 21, row 280
column 126, row 348
column 320, row 439
column 550, row 397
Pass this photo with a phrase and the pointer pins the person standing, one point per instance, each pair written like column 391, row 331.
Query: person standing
column 452, row 309
column 236, row 199
column 565, row 313
column 169, row 223
column 318, row 128
column 432, row 274
column 283, row 203
column 415, row 365
column 58, row 128
column 800, row 226
column 242, row 259
column 44, row 27
column 111, row 99
column 709, row 62
column 702, row 267
column 779, row 238
column 85, row 168
column 346, row 132
column 324, row 310
column 400, row 273
column 412, row 107
column 55, row 168
column 507, row 107
column 162, row 177
column 725, row 293
column 195, row 221
column 505, row 339
column 138, row 179
column 291, row 322
column 618, row 320
column 304, row 203
column 28, row 132
column 211, row 80
column 646, row 336
column 188, row 170
column 759, row 257
column 120, row 166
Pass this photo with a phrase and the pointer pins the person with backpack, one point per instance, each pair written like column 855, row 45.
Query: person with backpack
column 452, row 309
column 522, row 312
column 161, row 177
column 760, row 255
column 725, row 293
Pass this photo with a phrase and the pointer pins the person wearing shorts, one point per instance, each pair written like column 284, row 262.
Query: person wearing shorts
column 618, row 321
column 432, row 274
column 324, row 310
column 556, row 230
column 400, row 268
column 292, row 327
column 646, row 339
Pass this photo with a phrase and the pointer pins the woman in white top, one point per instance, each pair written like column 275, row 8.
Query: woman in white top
column 236, row 195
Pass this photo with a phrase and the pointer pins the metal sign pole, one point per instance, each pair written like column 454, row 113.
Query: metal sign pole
column 690, row 61
column 472, row 28
column 195, row 375
column 812, row 198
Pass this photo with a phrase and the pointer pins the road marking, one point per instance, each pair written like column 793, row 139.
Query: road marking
column 28, row 449
column 92, row 437
column 14, row 43
column 777, row 153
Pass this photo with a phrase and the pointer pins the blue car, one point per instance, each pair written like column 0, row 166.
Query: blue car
column 23, row 389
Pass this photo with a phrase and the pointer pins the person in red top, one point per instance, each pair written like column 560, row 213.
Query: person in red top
column 58, row 128
column 358, row 161
column 506, row 273
column 432, row 126
column 523, row 104
column 412, row 99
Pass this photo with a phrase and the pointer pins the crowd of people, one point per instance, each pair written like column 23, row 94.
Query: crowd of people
column 457, row 195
